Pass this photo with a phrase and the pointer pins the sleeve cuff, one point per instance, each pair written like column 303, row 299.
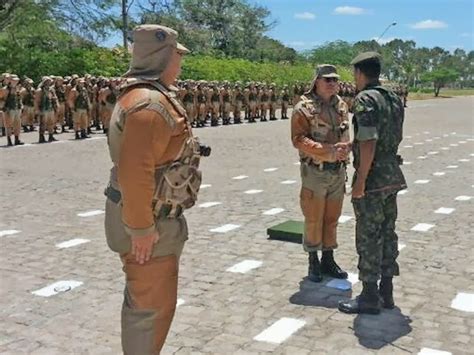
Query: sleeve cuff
column 139, row 232
column 367, row 134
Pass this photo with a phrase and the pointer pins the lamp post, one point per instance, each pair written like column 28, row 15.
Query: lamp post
column 391, row 25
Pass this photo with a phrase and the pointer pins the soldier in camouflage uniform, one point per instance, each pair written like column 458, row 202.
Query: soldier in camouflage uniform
column 28, row 98
column 60, row 91
column 201, row 104
column 46, row 104
column 215, row 104
column 79, row 103
column 319, row 130
column 238, row 100
column 225, row 100
column 273, row 96
column 285, row 102
column 378, row 125
column 189, row 101
column 12, row 109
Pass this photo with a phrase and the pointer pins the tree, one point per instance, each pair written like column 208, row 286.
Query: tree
column 337, row 52
column 440, row 77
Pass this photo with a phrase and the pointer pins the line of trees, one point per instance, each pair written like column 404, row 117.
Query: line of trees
column 227, row 38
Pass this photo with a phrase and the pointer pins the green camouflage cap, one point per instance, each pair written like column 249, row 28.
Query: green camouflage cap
column 326, row 71
column 367, row 56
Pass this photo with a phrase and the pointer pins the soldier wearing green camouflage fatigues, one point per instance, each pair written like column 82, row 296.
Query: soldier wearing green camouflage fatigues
column 378, row 121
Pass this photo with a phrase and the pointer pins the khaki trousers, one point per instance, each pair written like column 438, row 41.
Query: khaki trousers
column 321, row 199
column 80, row 118
column 13, row 122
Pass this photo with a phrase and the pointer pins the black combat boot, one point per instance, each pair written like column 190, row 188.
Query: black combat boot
column 77, row 136
column 18, row 141
column 89, row 130
column 314, row 268
column 329, row 266
column 3, row 131
column 367, row 302
column 41, row 138
column 106, row 131
column 214, row 123
column 63, row 129
column 9, row 142
column 25, row 129
column 51, row 138
column 32, row 128
column 386, row 292
column 84, row 134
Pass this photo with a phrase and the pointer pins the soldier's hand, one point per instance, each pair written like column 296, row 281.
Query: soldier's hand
column 358, row 190
column 142, row 247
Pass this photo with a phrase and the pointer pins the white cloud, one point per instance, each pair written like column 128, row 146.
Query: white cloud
column 349, row 10
column 305, row 16
column 297, row 44
column 383, row 40
column 429, row 24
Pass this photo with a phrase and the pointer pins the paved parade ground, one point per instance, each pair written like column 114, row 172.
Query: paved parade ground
column 240, row 293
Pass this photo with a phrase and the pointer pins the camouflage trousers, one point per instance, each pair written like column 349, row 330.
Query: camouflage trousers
column 376, row 240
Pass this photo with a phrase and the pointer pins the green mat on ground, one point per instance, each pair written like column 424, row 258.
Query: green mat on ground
column 290, row 231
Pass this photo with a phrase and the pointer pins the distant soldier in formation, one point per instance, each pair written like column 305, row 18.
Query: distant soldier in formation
column 27, row 94
column 225, row 101
column 46, row 105
column 60, row 90
column 10, row 95
column 79, row 103
column 285, row 102
column 213, row 99
column 273, row 95
column 107, row 98
column 238, row 102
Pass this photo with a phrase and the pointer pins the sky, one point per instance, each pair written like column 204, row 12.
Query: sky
column 305, row 24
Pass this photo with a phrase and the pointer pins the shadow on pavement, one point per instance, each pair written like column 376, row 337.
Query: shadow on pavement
column 318, row 294
column 377, row 331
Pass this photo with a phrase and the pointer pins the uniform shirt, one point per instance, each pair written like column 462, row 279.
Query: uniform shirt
column 315, row 127
column 148, row 141
column 379, row 116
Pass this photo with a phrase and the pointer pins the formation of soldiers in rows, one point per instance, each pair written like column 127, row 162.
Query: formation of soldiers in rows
column 56, row 103
column 81, row 103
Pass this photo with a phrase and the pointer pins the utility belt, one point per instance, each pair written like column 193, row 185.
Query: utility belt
column 164, row 211
column 326, row 166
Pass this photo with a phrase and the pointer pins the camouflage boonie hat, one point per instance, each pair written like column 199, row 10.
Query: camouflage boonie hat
column 326, row 71
column 367, row 56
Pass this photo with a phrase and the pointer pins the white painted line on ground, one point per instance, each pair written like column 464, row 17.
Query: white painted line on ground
column 426, row 132
column 269, row 170
column 452, row 167
column 72, row 243
column 462, row 142
column 273, row 211
column 463, row 198
column 439, row 173
column 422, row 227
column 407, row 137
column 472, row 154
column 91, row 213
column 57, row 287
column 344, row 219
column 403, row 192
column 429, row 351
column 253, row 192
column 445, row 135
column 407, row 146
column 432, row 153
column 245, row 266
column 281, row 330
column 225, row 228
column 445, row 148
column 470, row 139
column 436, row 137
column 209, row 204
column 422, row 181
column 288, row 182
column 428, row 140
column 205, row 186
column 453, row 133
column 419, row 143
column 463, row 302
column 240, row 177
column 407, row 163
column 444, row 210
column 464, row 160
column 180, row 302
column 297, row 163
column 422, row 157
column 454, row 145
column 7, row 232
column 401, row 246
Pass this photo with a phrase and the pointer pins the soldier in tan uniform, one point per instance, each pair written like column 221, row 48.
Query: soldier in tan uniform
column 3, row 79
column 28, row 98
column 285, row 102
column 10, row 94
column 189, row 100
column 46, row 105
column 154, row 178
column 107, row 100
column 226, row 100
column 78, row 101
column 201, row 104
column 319, row 130
column 60, row 90
column 238, row 101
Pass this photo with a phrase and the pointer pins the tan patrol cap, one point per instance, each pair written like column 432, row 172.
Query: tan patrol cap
column 153, row 46
column 367, row 56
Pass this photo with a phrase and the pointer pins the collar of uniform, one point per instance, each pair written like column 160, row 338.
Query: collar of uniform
column 372, row 84
column 332, row 102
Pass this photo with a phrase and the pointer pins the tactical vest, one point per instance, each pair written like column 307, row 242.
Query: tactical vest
column 215, row 97
column 239, row 97
column 201, row 98
column 226, row 97
column 285, row 97
column 111, row 97
column 29, row 98
column 273, row 98
column 176, row 183
column 46, row 102
column 188, row 97
column 60, row 94
column 13, row 101
column 252, row 96
column 264, row 97
column 82, row 100
column 319, row 129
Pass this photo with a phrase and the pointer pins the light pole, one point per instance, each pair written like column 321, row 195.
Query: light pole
column 392, row 24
